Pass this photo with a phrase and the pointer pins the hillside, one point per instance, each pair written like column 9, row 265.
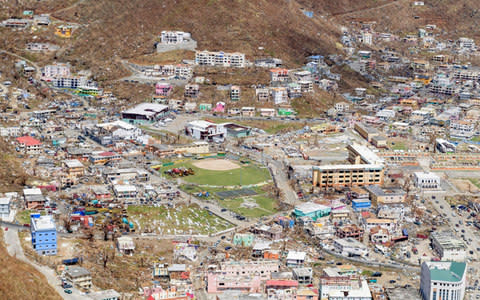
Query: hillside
column 33, row 285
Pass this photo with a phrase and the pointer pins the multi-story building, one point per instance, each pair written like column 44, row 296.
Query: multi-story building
column 43, row 234
column 221, row 59
column 192, row 90
column 282, row 289
column 332, row 176
column 234, row 93
column 29, row 145
column 279, row 95
column 34, row 198
column 49, row 72
column 125, row 192
column 4, row 207
column 389, row 224
column 343, row 287
column 80, row 277
column 426, row 180
column 69, row 82
column 366, row 131
column 174, row 37
column 462, row 129
column 441, row 280
column 278, row 75
column 217, row 283
column 350, row 231
column 381, row 196
column 262, row 269
column 263, row 94
column 74, row 167
column 448, row 246
column 350, row 247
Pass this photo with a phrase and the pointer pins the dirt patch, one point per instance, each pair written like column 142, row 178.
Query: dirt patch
column 464, row 185
column 216, row 164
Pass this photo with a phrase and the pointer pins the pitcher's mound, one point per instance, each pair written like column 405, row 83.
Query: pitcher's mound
column 216, row 164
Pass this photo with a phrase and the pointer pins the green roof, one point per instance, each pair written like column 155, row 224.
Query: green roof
column 452, row 274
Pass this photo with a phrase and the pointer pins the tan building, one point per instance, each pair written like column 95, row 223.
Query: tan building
column 332, row 176
column 74, row 167
column 381, row 196
column 366, row 132
column 79, row 276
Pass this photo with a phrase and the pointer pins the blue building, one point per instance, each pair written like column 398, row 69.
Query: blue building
column 361, row 204
column 44, row 234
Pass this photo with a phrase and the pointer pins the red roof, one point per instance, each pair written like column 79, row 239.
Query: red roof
column 28, row 141
column 282, row 283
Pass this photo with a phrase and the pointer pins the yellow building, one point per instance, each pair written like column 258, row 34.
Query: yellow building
column 74, row 167
column 64, row 31
column 333, row 176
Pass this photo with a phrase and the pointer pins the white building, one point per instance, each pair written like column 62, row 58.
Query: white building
column 443, row 280
column 125, row 192
column 426, row 180
column 462, row 129
column 386, row 114
column 367, row 38
column 296, row 258
column 342, row 106
column 174, row 37
column 448, row 246
column 207, row 131
column 4, row 208
column 220, row 59
column 279, row 95
column 55, row 70
column 389, row 224
column 348, row 293
column 350, row 247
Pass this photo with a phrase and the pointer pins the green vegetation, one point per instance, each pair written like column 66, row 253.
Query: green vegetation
column 475, row 182
column 265, row 204
column 23, row 217
column 178, row 220
column 245, row 175
column 398, row 145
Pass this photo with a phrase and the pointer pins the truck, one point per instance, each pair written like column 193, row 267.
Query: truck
column 70, row 261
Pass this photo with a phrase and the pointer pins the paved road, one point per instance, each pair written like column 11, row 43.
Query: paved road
column 14, row 248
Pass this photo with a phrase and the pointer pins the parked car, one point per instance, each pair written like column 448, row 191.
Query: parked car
column 68, row 291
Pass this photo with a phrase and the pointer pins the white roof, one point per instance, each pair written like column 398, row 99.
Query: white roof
column 296, row 255
column 202, row 124
column 366, row 154
column 426, row 175
column 43, row 223
column 149, row 109
column 361, row 293
column 4, row 201
column 117, row 123
column 73, row 163
column 34, row 191
column 309, row 207
column 125, row 188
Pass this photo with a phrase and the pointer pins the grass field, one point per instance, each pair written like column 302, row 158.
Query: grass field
column 265, row 205
column 247, row 174
column 23, row 217
column 179, row 220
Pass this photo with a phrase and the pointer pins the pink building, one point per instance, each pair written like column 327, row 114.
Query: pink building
column 281, row 289
column 163, row 89
column 219, row 107
column 263, row 269
column 217, row 283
